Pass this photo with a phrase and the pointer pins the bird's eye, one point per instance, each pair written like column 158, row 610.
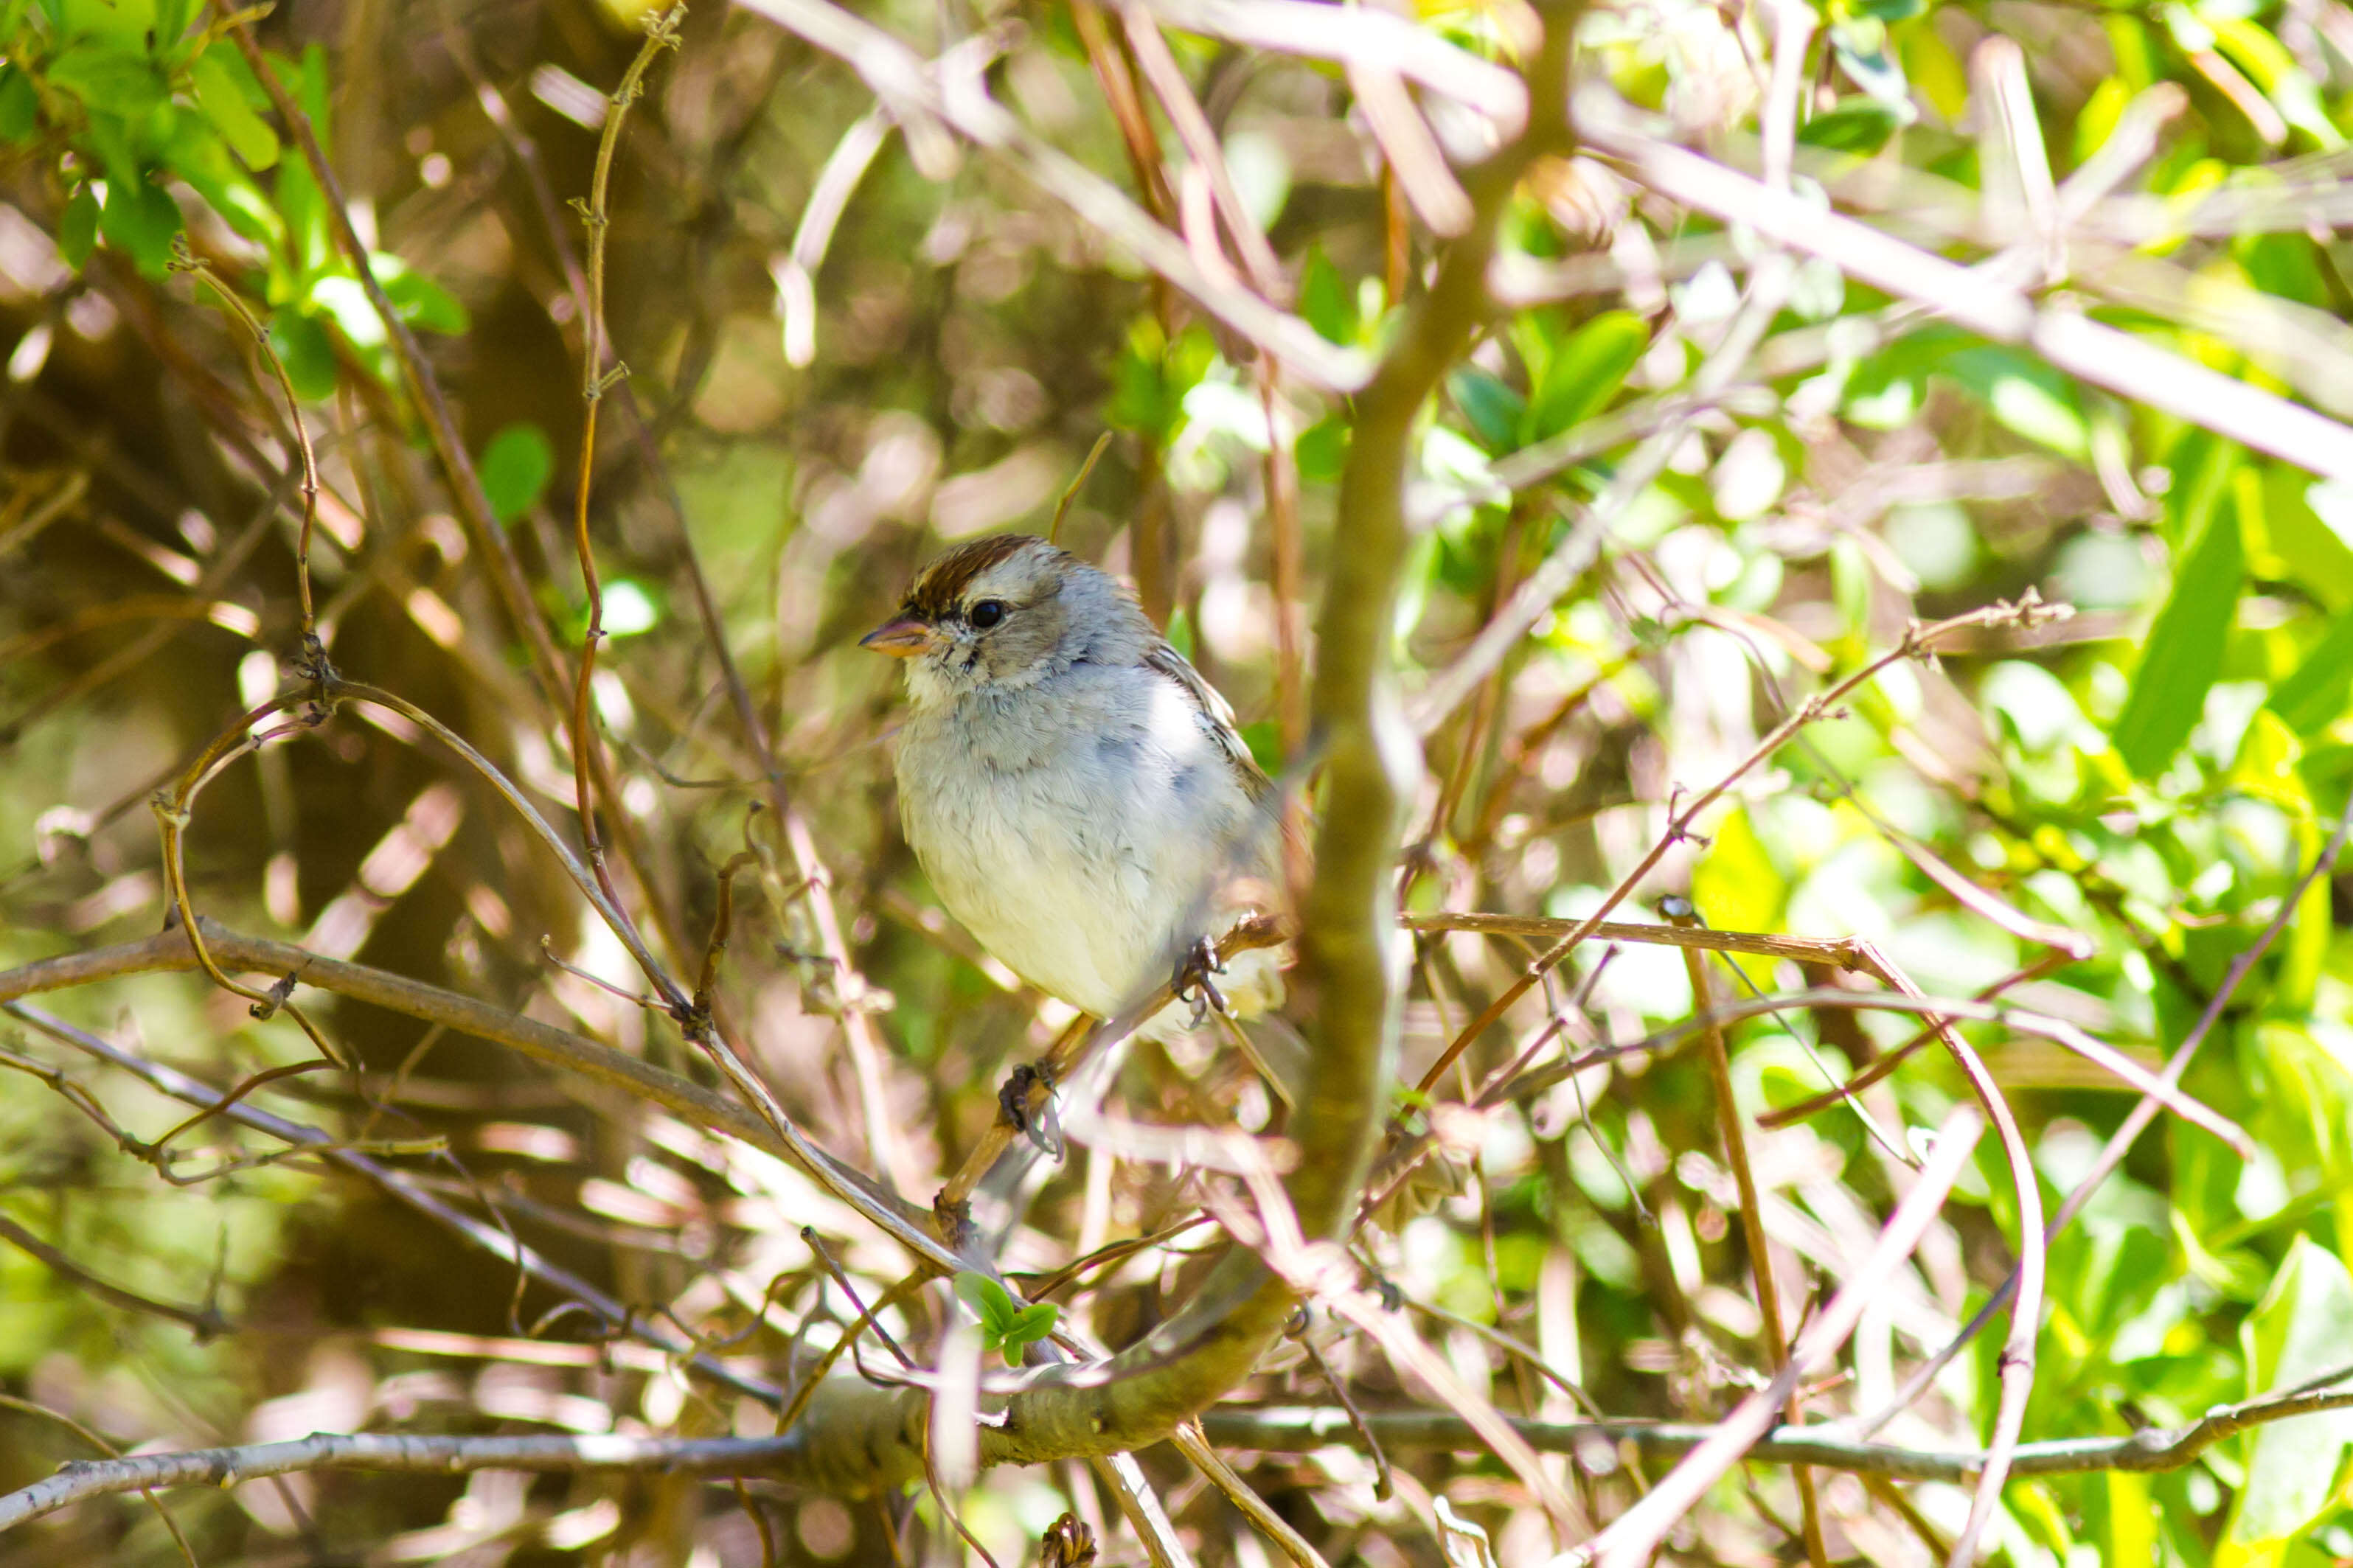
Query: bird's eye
column 987, row 614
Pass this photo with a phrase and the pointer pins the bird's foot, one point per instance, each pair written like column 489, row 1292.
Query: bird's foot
column 1192, row 983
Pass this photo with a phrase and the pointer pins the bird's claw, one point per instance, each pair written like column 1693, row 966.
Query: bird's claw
column 1192, row 983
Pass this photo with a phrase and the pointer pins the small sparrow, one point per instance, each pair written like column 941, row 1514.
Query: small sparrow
column 1076, row 791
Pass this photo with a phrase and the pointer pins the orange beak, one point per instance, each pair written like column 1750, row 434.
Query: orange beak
column 902, row 639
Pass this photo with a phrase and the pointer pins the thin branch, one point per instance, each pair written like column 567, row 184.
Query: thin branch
column 205, row 1321
column 1187, row 1439
column 588, row 768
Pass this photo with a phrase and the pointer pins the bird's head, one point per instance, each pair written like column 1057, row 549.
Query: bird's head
column 1003, row 613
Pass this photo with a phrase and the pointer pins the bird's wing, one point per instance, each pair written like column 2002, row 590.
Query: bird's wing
column 1217, row 716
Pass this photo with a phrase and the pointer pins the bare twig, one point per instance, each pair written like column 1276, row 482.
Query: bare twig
column 204, row 1322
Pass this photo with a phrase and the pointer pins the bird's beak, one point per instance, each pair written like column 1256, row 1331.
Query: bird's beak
column 902, row 639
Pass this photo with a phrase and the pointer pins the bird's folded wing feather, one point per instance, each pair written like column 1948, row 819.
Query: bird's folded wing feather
column 1217, row 716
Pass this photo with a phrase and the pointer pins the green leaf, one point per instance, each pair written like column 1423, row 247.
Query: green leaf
column 141, row 220
column 2287, row 265
column 308, row 243
column 171, row 17
column 2184, row 650
column 1858, row 125
column 1493, row 408
column 20, row 105
column 2026, row 395
column 1585, row 373
column 308, row 354
column 989, row 1301
column 514, row 468
column 2311, row 529
column 1324, row 300
column 1860, row 44
column 2315, row 694
column 2300, row 1330
column 223, row 100
column 77, row 227
column 1153, row 376
column 417, row 300
column 120, row 81
column 1323, row 449
column 1736, row 884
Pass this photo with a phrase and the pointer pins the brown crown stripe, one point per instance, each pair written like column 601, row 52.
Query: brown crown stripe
column 941, row 583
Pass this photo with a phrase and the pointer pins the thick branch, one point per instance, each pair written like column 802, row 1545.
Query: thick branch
column 1267, row 1429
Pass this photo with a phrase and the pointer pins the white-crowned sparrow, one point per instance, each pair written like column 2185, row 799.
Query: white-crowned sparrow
column 1076, row 791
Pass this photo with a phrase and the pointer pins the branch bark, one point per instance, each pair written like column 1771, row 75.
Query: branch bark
column 1265, row 1429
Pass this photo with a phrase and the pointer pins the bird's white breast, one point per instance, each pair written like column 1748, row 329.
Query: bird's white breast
column 1089, row 826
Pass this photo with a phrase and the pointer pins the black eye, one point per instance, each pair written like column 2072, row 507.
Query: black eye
column 987, row 614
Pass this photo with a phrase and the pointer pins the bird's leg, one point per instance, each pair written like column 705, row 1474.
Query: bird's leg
column 1193, row 972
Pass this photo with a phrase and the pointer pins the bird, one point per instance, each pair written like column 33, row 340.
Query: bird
column 1081, row 799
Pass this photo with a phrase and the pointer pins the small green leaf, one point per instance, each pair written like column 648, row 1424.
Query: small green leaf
column 308, row 354
column 222, row 101
column 1585, row 373
column 2315, row 694
column 1860, row 44
column 514, row 469
column 2184, row 650
column 120, row 81
column 341, row 298
column 1034, row 1321
column 1858, row 125
column 20, row 105
column 1323, row 449
column 141, row 220
column 989, row 1302
column 1026, row 1327
column 77, row 227
column 1493, row 408
column 416, row 299
column 1324, row 300
column 2299, row 1331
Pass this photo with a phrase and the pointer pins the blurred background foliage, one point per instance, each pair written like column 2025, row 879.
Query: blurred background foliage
column 850, row 339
